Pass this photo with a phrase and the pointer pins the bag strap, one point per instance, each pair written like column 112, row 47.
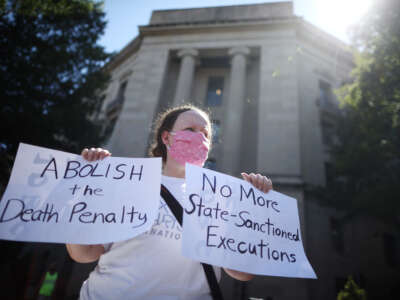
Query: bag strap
column 172, row 203
column 177, row 210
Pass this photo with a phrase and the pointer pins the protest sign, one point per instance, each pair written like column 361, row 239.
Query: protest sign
column 54, row 196
column 229, row 223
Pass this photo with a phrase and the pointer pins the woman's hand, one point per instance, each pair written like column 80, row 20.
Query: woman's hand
column 93, row 154
column 261, row 182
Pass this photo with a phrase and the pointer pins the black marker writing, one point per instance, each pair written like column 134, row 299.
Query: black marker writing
column 260, row 249
column 82, row 214
column 196, row 205
column 15, row 208
column 224, row 191
column 76, row 169
column 265, row 227
column 87, row 191
column 258, row 201
column 47, row 168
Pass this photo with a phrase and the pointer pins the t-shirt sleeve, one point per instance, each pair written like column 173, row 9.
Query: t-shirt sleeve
column 107, row 246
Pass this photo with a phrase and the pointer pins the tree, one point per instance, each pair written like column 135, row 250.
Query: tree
column 351, row 291
column 51, row 78
column 51, row 75
column 366, row 161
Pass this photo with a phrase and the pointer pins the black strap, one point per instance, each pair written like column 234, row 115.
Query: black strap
column 172, row 203
column 212, row 282
column 177, row 210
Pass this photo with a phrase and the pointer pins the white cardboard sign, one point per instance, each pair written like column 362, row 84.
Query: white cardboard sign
column 229, row 223
column 54, row 196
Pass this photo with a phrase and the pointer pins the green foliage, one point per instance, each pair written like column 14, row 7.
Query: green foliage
column 366, row 162
column 351, row 291
column 51, row 72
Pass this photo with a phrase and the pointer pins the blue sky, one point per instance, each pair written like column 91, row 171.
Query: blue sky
column 124, row 16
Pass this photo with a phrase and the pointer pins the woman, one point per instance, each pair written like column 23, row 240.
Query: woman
column 150, row 266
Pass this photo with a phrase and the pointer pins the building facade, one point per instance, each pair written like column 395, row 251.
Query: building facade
column 267, row 77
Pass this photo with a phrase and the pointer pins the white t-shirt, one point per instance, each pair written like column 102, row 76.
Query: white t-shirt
column 149, row 266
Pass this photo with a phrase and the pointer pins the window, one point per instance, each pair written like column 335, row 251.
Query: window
column 328, row 128
column 113, row 109
column 390, row 249
column 325, row 93
column 215, row 88
column 102, row 98
column 121, row 91
column 337, row 235
column 99, row 105
column 210, row 164
column 109, row 126
column 216, row 131
column 115, row 105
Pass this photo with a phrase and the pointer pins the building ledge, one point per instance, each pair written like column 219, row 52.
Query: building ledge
column 222, row 13
column 286, row 180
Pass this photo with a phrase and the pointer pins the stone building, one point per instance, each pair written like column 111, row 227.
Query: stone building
column 267, row 77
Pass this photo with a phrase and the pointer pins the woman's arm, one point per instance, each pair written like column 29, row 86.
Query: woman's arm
column 239, row 275
column 85, row 253
column 264, row 184
column 88, row 253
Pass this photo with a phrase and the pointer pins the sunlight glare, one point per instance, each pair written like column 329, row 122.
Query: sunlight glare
column 338, row 15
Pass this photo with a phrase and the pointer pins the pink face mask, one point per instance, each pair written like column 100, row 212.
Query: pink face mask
column 189, row 147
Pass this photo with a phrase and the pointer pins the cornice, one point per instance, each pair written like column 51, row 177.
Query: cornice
column 325, row 41
column 305, row 30
column 195, row 27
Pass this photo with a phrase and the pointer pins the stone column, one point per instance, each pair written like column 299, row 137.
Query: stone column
column 186, row 74
column 234, row 110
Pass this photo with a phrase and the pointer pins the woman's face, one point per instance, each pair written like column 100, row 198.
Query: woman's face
column 193, row 121
column 189, row 121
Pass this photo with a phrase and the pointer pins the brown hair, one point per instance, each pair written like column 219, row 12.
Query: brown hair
column 164, row 122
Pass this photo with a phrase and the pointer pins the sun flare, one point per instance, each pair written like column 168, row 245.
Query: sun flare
column 340, row 14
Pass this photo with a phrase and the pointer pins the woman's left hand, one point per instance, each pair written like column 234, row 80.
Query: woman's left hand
column 261, row 182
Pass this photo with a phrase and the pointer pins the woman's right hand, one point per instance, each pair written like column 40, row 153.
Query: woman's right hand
column 93, row 154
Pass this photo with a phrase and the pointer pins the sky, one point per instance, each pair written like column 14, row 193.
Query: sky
column 124, row 16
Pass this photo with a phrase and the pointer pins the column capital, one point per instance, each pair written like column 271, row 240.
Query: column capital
column 188, row 52
column 239, row 50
